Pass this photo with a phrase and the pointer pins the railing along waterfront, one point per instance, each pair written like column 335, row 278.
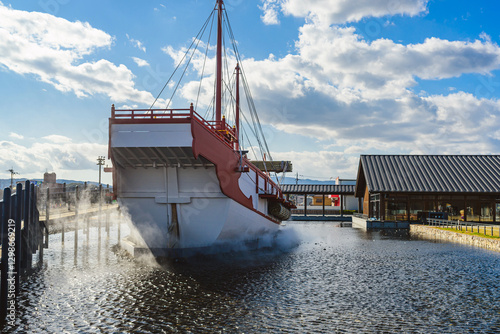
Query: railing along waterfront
column 22, row 235
column 69, row 209
column 487, row 230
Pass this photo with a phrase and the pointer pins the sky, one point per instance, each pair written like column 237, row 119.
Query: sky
column 331, row 79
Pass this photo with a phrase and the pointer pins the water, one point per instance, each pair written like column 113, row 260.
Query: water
column 336, row 280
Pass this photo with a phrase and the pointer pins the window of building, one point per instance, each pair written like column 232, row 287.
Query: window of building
column 416, row 206
column 375, row 205
column 395, row 208
column 454, row 206
column 486, row 212
column 473, row 210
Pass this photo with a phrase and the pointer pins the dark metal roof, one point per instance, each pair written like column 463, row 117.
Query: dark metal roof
column 331, row 189
column 429, row 173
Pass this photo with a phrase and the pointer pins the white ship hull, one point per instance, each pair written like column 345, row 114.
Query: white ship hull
column 175, row 200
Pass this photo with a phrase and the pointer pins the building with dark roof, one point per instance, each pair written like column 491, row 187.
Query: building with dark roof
column 405, row 187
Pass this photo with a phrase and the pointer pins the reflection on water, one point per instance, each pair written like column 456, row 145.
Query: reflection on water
column 335, row 280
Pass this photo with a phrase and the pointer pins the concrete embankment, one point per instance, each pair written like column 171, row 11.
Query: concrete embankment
column 378, row 225
column 431, row 233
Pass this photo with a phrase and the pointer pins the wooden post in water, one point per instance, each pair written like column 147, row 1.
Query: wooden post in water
column 38, row 227
column 100, row 209
column 33, row 230
column 107, row 212
column 76, row 220
column 26, row 256
column 77, row 196
column 119, row 222
column 17, row 251
column 47, row 207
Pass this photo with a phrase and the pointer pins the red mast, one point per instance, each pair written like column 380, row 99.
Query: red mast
column 218, row 93
column 237, row 106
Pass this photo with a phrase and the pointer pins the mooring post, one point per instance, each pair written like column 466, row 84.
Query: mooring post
column 100, row 209
column 33, row 229
column 65, row 195
column 77, row 196
column 76, row 220
column 26, row 251
column 107, row 209
column 119, row 222
column 38, row 227
column 18, row 218
column 47, row 207
column 6, row 216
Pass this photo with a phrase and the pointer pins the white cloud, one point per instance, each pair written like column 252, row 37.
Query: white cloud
column 16, row 135
column 52, row 49
column 342, row 89
column 383, row 68
column 342, row 11
column 136, row 43
column 270, row 9
column 59, row 154
column 57, row 139
column 140, row 62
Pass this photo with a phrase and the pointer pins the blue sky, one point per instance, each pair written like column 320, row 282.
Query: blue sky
column 331, row 79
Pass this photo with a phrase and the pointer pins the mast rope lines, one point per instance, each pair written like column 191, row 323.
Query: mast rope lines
column 248, row 124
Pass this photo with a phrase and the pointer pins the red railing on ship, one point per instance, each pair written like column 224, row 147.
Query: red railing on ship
column 221, row 129
column 135, row 114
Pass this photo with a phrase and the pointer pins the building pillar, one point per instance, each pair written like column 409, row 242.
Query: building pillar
column 381, row 209
column 323, row 205
column 341, row 206
column 495, row 218
column 465, row 208
column 408, row 208
column 305, row 204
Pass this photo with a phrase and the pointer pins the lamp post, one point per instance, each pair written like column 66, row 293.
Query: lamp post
column 100, row 162
column 12, row 173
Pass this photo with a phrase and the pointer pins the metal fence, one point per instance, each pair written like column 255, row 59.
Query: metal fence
column 483, row 229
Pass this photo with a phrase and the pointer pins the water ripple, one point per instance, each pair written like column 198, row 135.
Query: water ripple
column 337, row 280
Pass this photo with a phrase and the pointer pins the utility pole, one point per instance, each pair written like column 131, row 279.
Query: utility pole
column 100, row 162
column 297, row 178
column 12, row 173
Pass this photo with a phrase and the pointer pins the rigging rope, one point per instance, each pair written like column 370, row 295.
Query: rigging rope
column 254, row 126
column 179, row 64
column 204, row 62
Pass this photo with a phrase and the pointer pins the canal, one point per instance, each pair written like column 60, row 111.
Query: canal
column 320, row 279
